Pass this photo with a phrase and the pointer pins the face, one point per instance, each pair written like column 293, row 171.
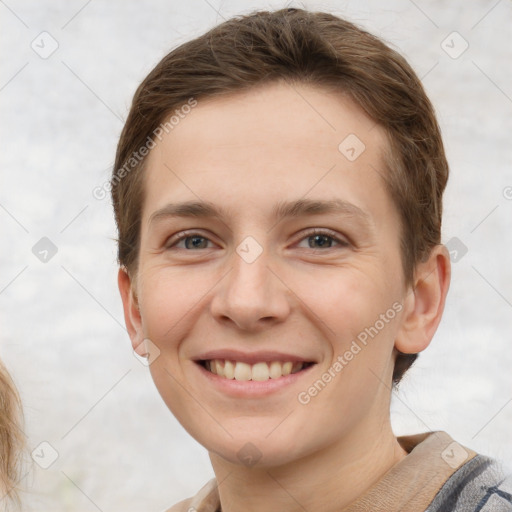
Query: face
column 269, row 278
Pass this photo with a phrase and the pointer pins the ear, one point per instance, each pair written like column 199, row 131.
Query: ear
column 132, row 315
column 424, row 303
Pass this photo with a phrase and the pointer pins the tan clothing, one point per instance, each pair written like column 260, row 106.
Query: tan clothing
column 409, row 486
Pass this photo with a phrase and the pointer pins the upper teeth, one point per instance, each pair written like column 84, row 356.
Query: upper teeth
column 259, row 371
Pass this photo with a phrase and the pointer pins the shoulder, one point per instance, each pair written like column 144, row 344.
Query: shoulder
column 479, row 485
column 182, row 506
column 206, row 500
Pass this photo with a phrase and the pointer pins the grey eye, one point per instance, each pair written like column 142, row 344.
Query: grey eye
column 195, row 242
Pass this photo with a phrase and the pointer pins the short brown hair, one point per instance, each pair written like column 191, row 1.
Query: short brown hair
column 314, row 48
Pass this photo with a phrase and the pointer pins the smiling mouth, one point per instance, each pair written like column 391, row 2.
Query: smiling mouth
column 262, row 371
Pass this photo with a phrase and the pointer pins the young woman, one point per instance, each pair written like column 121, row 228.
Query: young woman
column 278, row 194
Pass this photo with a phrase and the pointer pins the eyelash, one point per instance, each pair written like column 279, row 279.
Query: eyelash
column 313, row 232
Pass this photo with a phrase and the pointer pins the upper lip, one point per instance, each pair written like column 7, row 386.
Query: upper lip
column 252, row 357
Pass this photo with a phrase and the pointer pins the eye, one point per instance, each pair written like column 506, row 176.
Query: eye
column 189, row 241
column 321, row 239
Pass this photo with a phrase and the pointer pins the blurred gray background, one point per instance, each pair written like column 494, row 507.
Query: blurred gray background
column 68, row 72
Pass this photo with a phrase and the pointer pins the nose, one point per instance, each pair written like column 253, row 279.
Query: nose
column 251, row 296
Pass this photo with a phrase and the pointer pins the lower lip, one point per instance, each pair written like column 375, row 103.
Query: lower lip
column 251, row 388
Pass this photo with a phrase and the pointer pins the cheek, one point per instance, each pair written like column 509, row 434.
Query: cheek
column 167, row 301
column 359, row 343
column 346, row 299
column 358, row 322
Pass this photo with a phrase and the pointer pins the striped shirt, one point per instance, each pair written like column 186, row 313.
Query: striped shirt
column 477, row 486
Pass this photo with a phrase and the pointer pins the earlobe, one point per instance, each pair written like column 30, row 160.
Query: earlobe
column 424, row 304
column 132, row 315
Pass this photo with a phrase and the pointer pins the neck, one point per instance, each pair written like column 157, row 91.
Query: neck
column 328, row 480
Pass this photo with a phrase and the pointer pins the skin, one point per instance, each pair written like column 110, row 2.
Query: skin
column 308, row 296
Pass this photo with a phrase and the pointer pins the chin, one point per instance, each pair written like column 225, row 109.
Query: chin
column 257, row 453
column 254, row 444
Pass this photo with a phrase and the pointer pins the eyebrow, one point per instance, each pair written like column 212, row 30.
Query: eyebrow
column 285, row 209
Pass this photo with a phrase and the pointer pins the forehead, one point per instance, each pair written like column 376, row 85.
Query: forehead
column 276, row 114
column 259, row 146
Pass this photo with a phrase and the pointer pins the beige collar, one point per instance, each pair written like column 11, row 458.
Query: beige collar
column 409, row 486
